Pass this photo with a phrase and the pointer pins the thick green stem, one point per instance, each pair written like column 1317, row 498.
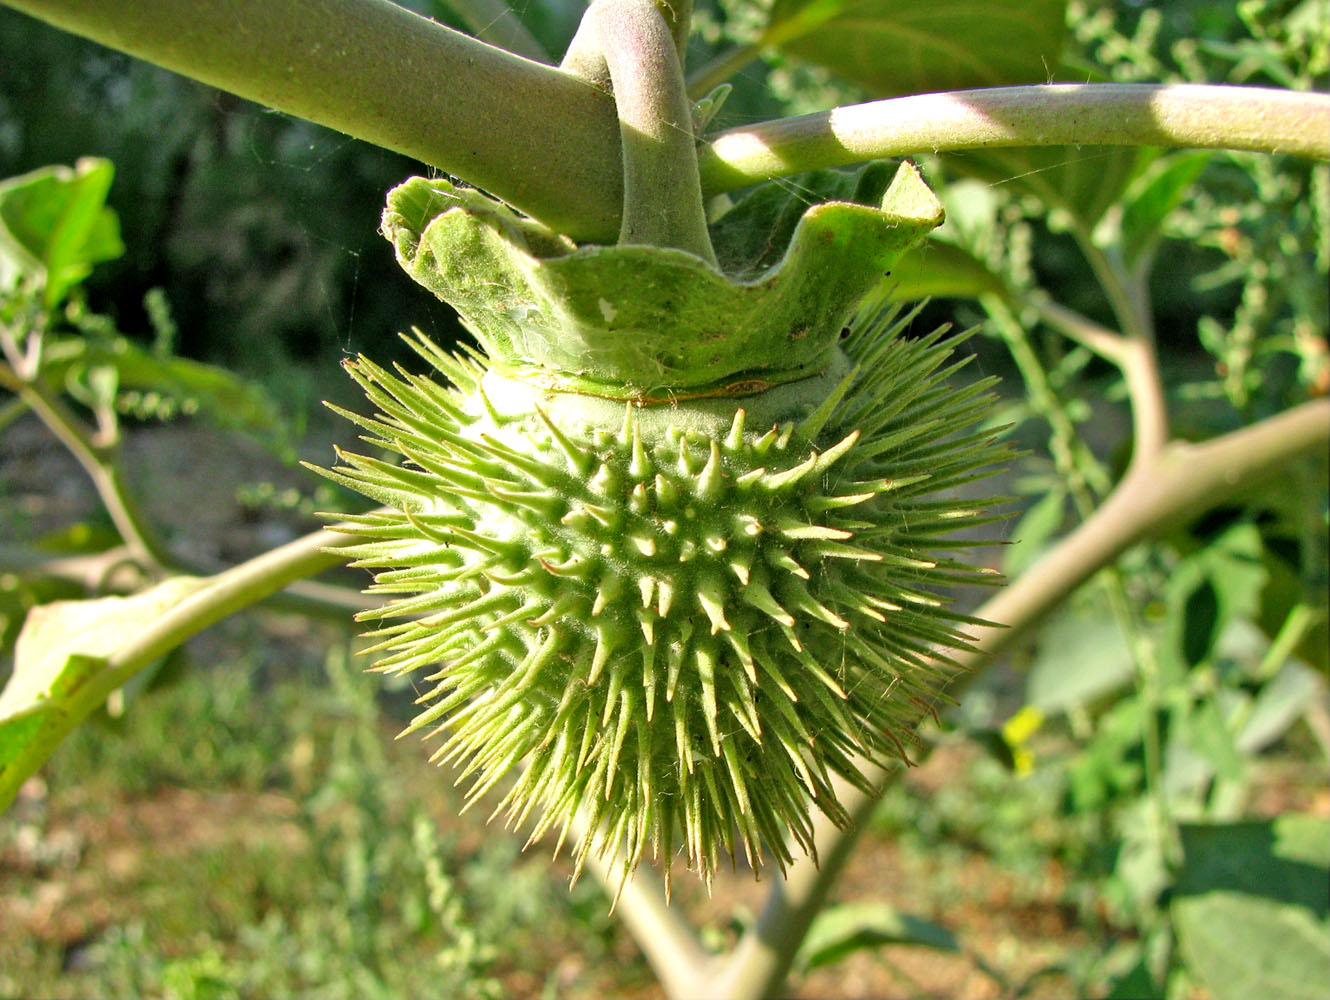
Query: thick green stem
column 380, row 73
column 1107, row 114
column 630, row 44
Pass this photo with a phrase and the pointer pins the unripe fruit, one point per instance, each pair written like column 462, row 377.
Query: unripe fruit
column 679, row 620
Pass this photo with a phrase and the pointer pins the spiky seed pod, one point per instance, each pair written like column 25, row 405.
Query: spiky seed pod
column 664, row 552
column 679, row 621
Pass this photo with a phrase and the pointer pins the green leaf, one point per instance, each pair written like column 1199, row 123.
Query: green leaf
column 1154, row 198
column 1208, row 732
column 896, row 47
column 1250, row 907
column 1281, row 702
column 1078, row 183
column 1135, row 984
column 1211, row 589
column 1287, row 593
column 848, row 927
column 55, row 226
column 1081, row 656
column 60, row 671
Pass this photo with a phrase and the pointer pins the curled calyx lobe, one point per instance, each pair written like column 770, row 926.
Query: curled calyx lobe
column 666, row 554
column 652, row 324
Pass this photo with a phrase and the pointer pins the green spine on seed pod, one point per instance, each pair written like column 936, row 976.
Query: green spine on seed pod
column 676, row 622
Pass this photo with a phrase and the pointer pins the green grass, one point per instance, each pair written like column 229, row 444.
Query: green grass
column 250, row 829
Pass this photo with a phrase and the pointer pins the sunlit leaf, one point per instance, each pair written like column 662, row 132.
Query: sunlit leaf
column 55, row 226
column 848, row 927
column 1082, row 655
column 1162, row 190
column 1251, row 910
column 60, row 671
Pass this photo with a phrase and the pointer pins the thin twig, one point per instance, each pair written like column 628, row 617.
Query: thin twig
column 100, row 462
column 1138, row 363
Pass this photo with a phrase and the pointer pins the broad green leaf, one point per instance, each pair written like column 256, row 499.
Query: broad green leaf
column 60, row 671
column 1251, row 909
column 1077, row 183
column 848, row 927
column 55, row 226
column 1243, row 946
column 894, row 47
column 1081, row 656
column 1286, row 859
column 1160, row 191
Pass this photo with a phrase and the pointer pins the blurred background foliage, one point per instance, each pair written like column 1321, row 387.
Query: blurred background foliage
column 1171, row 715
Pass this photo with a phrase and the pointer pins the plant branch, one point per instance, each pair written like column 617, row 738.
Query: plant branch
column 101, row 463
column 1139, row 366
column 1182, row 481
column 629, row 46
column 379, row 72
column 226, row 593
column 216, row 598
column 665, row 937
column 11, row 411
column 1108, row 114
column 1085, row 477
